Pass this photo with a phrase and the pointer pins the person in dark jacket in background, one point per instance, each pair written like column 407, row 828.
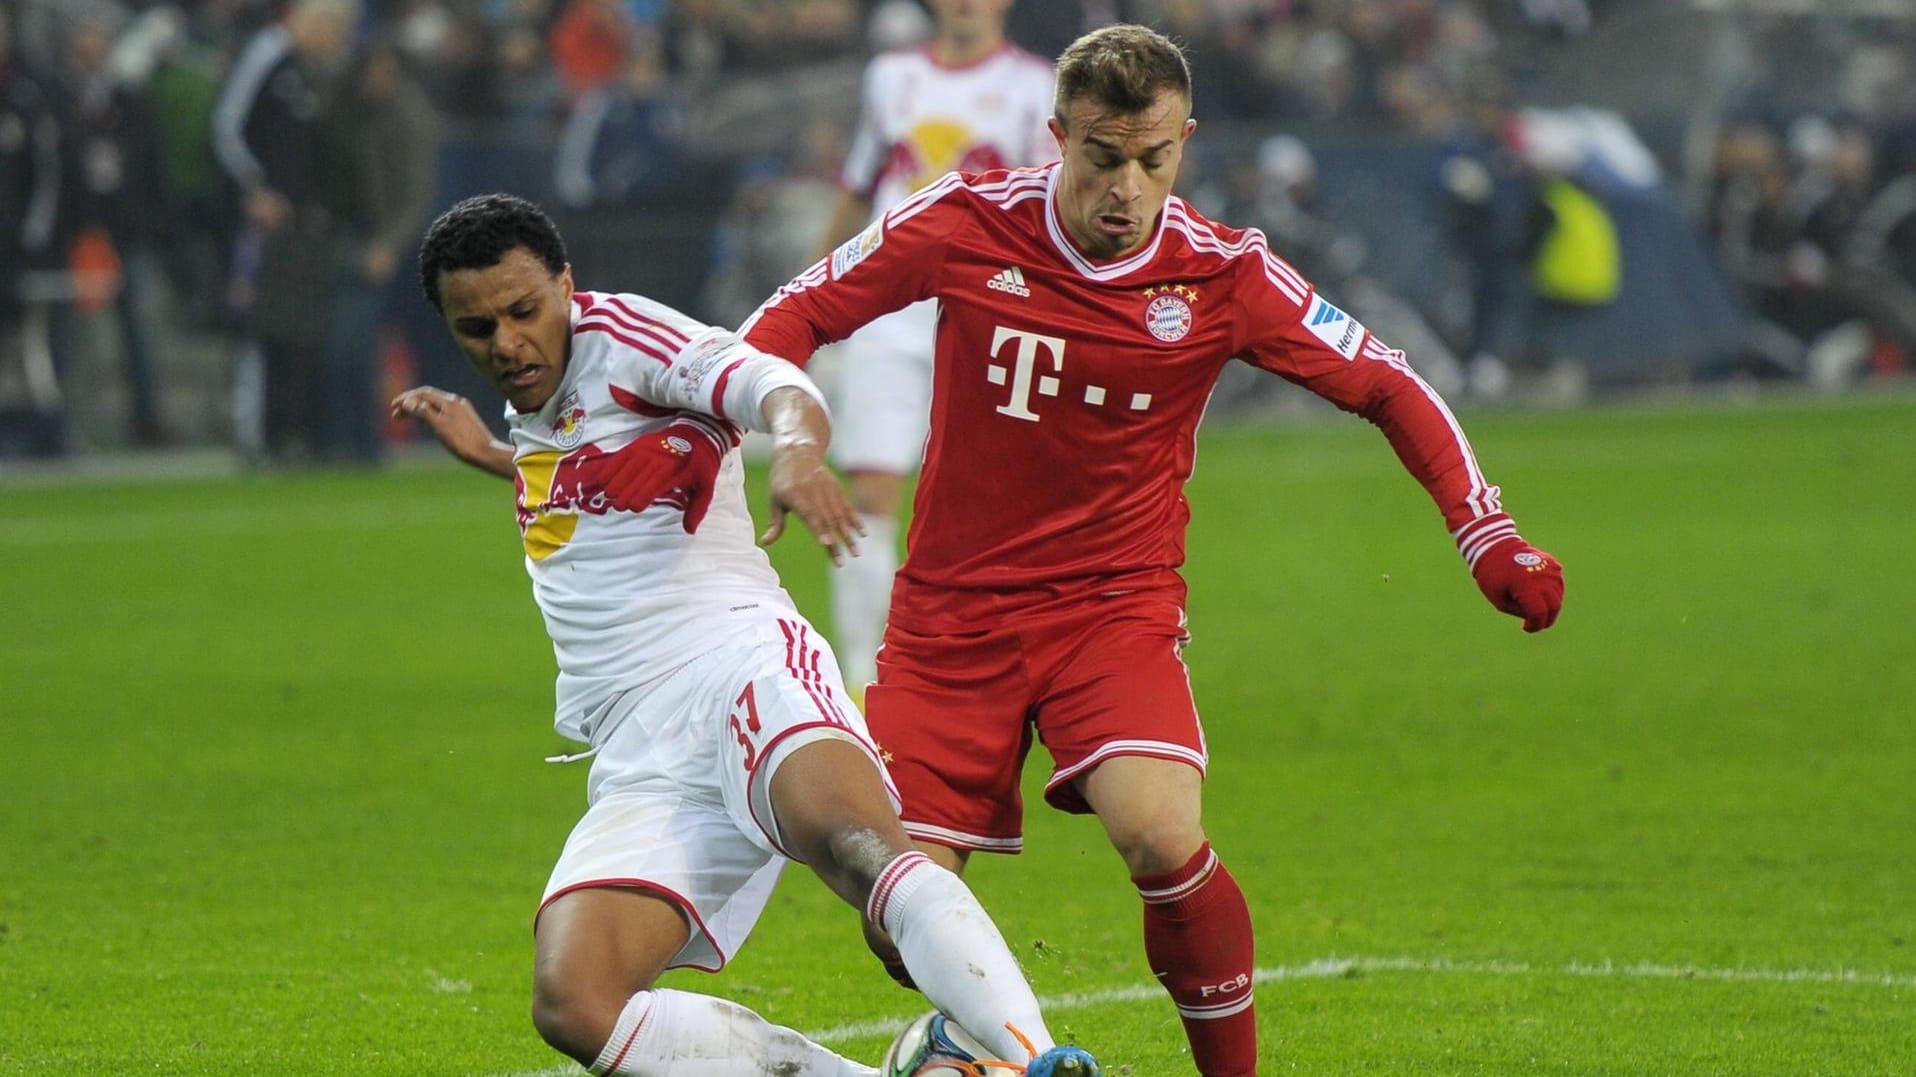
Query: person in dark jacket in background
column 29, row 200
column 109, row 205
column 268, row 135
column 29, row 169
column 380, row 172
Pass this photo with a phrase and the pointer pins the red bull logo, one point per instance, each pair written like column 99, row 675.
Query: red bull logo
column 553, row 490
column 938, row 146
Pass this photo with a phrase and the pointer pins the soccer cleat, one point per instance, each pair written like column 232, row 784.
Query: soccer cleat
column 935, row 1046
column 938, row 1037
column 1063, row 1061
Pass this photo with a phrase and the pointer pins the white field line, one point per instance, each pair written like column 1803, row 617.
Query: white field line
column 1332, row 968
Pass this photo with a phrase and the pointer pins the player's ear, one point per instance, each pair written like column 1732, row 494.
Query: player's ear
column 565, row 281
column 1057, row 132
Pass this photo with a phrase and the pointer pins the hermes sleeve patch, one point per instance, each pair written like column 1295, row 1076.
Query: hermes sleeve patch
column 1339, row 331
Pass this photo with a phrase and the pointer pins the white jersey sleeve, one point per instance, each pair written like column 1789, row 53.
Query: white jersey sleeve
column 869, row 146
column 676, row 362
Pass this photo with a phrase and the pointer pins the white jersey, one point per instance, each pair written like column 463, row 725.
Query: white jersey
column 920, row 119
column 627, row 596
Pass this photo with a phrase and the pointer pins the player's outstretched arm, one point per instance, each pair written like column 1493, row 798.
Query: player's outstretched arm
column 453, row 421
column 800, row 481
column 1515, row 576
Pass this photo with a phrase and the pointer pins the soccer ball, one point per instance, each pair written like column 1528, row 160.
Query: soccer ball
column 934, row 1046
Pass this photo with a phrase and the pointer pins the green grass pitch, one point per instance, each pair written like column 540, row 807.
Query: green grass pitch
column 271, row 798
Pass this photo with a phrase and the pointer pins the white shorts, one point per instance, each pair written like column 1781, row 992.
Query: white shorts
column 680, row 791
column 881, row 408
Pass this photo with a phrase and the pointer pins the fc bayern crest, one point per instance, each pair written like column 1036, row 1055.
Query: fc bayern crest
column 1168, row 317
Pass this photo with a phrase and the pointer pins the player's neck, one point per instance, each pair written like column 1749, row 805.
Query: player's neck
column 964, row 51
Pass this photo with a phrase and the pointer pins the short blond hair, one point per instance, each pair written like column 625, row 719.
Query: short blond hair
column 1123, row 68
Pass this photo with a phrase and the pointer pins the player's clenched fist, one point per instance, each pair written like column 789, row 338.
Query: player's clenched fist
column 680, row 463
column 1522, row 581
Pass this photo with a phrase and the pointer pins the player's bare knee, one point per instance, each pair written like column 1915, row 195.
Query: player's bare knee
column 1157, row 845
column 833, row 816
column 575, row 1019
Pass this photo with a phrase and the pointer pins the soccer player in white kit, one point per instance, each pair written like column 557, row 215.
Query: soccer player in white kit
column 971, row 101
column 721, row 738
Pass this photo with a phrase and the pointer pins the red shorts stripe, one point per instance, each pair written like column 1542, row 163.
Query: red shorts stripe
column 801, row 661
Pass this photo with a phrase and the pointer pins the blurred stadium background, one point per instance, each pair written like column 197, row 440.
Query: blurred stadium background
column 1539, row 200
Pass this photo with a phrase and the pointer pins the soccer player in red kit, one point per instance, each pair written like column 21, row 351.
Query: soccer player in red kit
column 1085, row 314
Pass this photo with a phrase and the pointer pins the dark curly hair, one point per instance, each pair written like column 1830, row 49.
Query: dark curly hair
column 477, row 233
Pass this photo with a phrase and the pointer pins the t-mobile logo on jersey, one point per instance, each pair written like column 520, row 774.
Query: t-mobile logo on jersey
column 1025, row 363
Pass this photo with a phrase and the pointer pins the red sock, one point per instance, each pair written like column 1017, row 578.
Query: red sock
column 1197, row 935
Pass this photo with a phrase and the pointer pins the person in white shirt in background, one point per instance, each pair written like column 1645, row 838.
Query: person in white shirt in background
column 968, row 100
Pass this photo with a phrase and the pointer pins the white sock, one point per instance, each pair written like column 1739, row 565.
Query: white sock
column 861, row 593
column 955, row 954
column 665, row 1033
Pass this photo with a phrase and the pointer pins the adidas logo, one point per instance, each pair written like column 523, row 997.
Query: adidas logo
column 1010, row 280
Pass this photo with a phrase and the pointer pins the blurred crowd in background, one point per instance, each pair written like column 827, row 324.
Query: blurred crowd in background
column 210, row 206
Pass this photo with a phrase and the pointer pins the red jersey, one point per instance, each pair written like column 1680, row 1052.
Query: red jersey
column 1066, row 393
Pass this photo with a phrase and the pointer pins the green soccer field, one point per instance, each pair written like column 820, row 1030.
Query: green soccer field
column 271, row 797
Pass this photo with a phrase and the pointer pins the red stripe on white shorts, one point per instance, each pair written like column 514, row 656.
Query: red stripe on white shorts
column 801, row 661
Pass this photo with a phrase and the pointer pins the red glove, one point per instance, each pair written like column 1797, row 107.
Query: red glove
column 1521, row 580
column 679, row 464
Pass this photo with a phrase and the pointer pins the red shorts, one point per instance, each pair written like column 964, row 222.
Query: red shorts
column 954, row 714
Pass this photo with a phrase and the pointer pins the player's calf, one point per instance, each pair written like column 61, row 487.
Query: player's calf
column 833, row 813
column 887, row 954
